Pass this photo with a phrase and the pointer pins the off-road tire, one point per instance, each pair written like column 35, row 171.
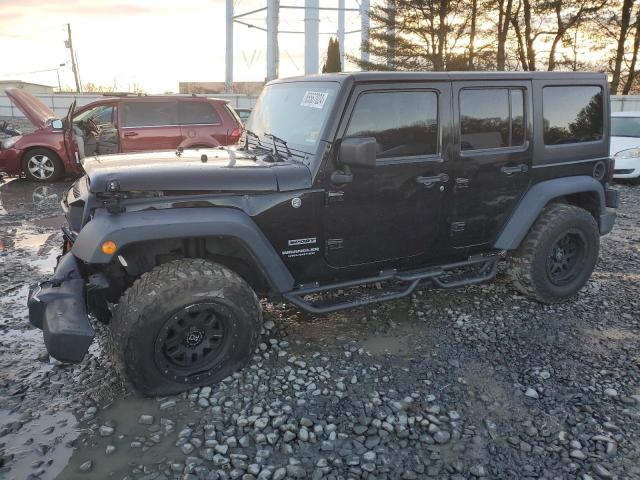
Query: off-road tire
column 145, row 308
column 58, row 167
column 527, row 266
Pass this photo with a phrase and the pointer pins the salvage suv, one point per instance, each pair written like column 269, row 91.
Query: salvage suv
column 348, row 189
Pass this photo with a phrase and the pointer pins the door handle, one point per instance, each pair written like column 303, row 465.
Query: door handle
column 131, row 134
column 522, row 168
column 431, row 181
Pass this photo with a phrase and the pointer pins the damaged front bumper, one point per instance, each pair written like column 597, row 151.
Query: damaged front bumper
column 58, row 307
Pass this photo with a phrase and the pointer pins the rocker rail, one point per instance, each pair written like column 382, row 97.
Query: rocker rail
column 487, row 271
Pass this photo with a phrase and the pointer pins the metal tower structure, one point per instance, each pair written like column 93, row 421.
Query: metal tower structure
column 311, row 33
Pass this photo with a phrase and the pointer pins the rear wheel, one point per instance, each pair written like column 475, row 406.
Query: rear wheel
column 185, row 324
column 42, row 165
column 556, row 258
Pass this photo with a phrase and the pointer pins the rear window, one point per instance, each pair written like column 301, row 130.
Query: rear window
column 491, row 118
column 150, row 114
column 625, row 126
column 194, row 113
column 572, row 114
column 403, row 123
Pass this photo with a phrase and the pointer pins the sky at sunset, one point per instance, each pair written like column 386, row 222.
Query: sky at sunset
column 152, row 43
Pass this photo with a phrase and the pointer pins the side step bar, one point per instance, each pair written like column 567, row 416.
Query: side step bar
column 442, row 276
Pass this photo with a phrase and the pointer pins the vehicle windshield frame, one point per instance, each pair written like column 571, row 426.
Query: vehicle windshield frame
column 624, row 118
column 308, row 149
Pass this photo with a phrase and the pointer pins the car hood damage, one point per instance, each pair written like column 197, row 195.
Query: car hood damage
column 203, row 170
column 36, row 112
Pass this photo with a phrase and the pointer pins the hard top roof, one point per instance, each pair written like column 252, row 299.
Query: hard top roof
column 443, row 76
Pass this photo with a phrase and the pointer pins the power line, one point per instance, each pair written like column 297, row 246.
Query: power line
column 28, row 73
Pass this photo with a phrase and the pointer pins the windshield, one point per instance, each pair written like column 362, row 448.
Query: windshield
column 625, row 127
column 296, row 112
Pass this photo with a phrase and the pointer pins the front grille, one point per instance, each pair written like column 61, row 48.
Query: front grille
column 76, row 190
column 623, row 171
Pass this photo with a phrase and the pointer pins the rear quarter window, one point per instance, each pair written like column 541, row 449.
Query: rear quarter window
column 572, row 114
column 197, row 113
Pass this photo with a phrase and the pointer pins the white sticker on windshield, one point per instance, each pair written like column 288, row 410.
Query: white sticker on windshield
column 314, row 99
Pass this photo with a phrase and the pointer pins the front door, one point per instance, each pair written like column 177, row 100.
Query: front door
column 149, row 125
column 492, row 166
column 391, row 212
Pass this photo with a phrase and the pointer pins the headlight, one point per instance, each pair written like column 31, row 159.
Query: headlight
column 10, row 142
column 628, row 153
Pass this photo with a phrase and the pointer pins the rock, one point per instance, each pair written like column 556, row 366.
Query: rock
column 106, row 431
column 296, row 471
column 478, row 471
column 109, row 449
column 531, row 393
column 442, row 436
column 145, row 420
column 601, row 471
column 86, row 466
column 611, row 392
column 261, row 423
column 577, row 454
column 187, row 448
column 279, row 474
column 268, row 325
column 167, row 404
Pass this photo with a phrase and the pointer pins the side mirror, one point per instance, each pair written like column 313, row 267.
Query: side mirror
column 57, row 124
column 358, row 152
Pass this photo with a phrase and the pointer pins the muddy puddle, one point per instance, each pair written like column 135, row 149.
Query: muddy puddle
column 36, row 446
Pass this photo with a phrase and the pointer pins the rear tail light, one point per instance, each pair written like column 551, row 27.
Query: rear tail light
column 235, row 135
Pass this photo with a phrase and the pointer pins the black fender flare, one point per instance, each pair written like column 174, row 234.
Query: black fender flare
column 538, row 196
column 134, row 227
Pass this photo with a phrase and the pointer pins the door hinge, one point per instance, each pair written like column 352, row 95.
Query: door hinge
column 334, row 197
column 457, row 227
column 334, row 244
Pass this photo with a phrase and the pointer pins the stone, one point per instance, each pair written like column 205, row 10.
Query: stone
column 442, row 436
column 577, row 454
column 145, row 420
column 532, row 393
column 106, row 431
column 86, row 466
column 611, row 392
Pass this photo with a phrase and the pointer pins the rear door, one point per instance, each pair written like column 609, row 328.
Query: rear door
column 392, row 212
column 201, row 121
column 149, row 125
column 492, row 163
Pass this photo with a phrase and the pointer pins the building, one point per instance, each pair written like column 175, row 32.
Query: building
column 242, row 88
column 34, row 88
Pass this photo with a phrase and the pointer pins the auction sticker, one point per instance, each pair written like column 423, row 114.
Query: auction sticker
column 314, row 99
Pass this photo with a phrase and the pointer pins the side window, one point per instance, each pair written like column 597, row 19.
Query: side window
column 572, row 114
column 491, row 118
column 149, row 114
column 193, row 113
column 403, row 123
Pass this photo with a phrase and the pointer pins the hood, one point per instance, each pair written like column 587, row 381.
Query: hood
column 623, row 143
column 226, row 170
column 35, row 111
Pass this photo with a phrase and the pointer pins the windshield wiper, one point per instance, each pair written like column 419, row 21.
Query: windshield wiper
column 259, row 144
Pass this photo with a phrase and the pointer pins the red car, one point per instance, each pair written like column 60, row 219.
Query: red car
column 113, row 125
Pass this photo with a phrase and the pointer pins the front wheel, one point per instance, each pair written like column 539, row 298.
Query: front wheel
column 42, row 165
column 184, row 324
column 557, row 256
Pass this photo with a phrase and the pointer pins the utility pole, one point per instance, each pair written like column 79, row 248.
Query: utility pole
column 74, row 66
column 228, row 75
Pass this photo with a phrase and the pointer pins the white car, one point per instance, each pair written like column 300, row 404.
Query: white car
column 625, row 144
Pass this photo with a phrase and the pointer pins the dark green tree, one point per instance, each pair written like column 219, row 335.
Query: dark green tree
column 332, row 64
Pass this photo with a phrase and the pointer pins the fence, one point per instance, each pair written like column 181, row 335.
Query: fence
column 625, row 103
column 60, row 102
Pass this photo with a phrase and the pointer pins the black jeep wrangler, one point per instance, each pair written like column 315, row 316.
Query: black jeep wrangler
column 342, row 182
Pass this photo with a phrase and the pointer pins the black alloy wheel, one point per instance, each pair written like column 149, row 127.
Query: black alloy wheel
column 566, row 257
column 191, row 342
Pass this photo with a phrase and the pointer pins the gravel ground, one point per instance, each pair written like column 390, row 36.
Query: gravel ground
column 478, row 382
